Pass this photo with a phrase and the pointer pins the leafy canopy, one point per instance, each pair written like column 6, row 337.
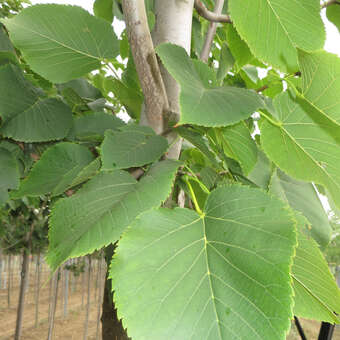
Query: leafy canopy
column 224, row 243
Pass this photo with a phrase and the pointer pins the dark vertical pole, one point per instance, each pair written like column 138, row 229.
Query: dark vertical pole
column 326, row 331
column 299, row 328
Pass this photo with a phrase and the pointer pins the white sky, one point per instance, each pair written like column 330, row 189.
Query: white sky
column 332, row 42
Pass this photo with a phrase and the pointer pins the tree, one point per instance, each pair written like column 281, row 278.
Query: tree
column 218, row 228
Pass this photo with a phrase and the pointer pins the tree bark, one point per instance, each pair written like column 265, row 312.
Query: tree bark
column 66, row 290
column 23, row 284
column 88, row 305
column 112, row 328
column 9, row 285
column 37, row 289
column 173, row 25
column 53, row 305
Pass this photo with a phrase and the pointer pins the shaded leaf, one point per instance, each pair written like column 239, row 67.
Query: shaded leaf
column 101, row 210
column 302, row 197
column 26, row 116
column 55, row 171
column 131, row 146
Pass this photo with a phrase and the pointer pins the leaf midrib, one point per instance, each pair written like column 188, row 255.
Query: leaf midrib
column 57, row 42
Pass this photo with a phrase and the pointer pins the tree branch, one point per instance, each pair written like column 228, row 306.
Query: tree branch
column 329, row 3
column 145, row 59
column 210, row 16
column 211, row 31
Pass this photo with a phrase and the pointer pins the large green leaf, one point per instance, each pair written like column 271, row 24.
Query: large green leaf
column 317, row 295
column 62, row 42
column 101, row 210
column 303, row 143
column 239, row 145
column 321, row 82
column 131, row 146
column 222, row 275
column 26, row 116
column 9, row 174
column 55, row 171
column 302, row 197
column 274, row 28
column 201, row 103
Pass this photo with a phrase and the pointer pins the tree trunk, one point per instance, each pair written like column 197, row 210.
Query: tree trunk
column 9, row 285
column 100, row 295
column 88, row 305
column 37, row 290
column 112, row 328
column 23, row 284
column 66, row 290
column 82, row 289
column 53, row 305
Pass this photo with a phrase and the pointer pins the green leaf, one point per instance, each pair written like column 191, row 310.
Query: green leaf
column 132, row 146
column 262, row 171
column 199, row 141
column 87, row 172
column 103, row 9
column 202, row 275
column 333, row 15
column 101, row 210
column 226, row 62
column 9, row 174
column 302, row 197
column 55, row 171
column 7, row 52
column 82, row 87
column 304, row 144
column 274, row 29
column 239, row 145
column 93, row 126
column 321, row 83
column 200, row 103
column 62, row 42
column 317, row 295
column 130, row 97
column 25, row 116
column 238, row 48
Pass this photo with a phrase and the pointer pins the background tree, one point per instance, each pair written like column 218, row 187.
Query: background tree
column 239, row 156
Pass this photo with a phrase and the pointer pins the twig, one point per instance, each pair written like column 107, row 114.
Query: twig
column 145, row 59
column 261, row 89
column 329, row 3
column 211, row 32
column 210, row 16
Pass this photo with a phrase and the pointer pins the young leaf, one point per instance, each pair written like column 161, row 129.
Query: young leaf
column 200, row 103
column 62, row 42
column 302, row 197
column 101, row 210
column 239, row 145
column 317, row 295
column 273, row 29
column 303, row 143
column 202, row 275
column 9, row 174
column 25, row 116
column 56, row 170
column 131, row 146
